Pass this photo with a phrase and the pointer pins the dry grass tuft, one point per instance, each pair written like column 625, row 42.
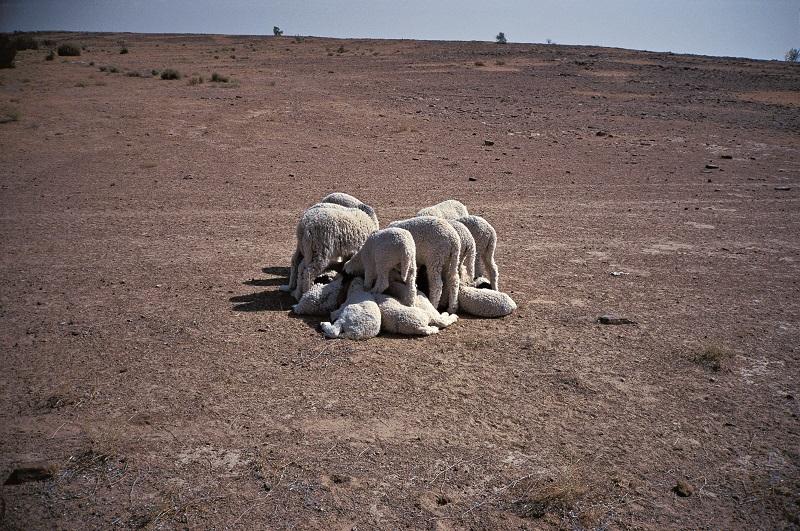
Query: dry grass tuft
column 557, row 496
column 712, row 357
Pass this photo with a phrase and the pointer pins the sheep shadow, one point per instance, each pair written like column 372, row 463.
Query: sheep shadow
column 263, row 301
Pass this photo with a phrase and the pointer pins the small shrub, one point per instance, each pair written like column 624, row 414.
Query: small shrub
column 69, row 49
column 233, row 57
column 276, row 31
column 793, row 55
column 154, row 72
column 216, row 57
column 298, row 39
column 480, row 63
column 712, row 357
column 196, row 80
column 103, row 68
column 123, row 51
column 48, row 43
column 341, row 49
column 7, row 52
column 8, row 115
column 133, row 73
column 113, row 69
column 501, row 38
column 25, row 42
column 500, row 62
column 91, row 63
column 50, row 56
column 217, row 78
column 80, row 84
column 169, row 73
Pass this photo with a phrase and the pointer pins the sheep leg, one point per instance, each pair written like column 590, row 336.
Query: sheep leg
column 369, row 279
column 331, row 330
column 435, row 285
column 312, row 270
column 293, row 268
column 452, row 283
column 410, row 291
column 494, row 274
column 381, row 283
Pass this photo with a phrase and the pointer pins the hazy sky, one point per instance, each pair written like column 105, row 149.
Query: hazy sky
column 762, row 29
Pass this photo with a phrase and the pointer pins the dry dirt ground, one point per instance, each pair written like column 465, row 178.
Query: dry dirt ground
column 150, row 365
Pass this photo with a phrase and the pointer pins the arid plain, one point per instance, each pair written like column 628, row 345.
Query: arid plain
column 153, row 375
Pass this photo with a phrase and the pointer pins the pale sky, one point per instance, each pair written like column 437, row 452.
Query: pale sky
column 760, row 29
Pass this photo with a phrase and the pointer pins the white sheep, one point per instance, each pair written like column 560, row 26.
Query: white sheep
column 421, row 319
column 467, row 254
column 484, row 302
column 322, row 299
column 343, row 199
column 438, row 247
column 450, row 209
column 358, row 318
column 326, row 233
column 384, row 250
column 485, row 245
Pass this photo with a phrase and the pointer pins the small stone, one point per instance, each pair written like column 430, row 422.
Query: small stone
column 614, row 320
column 783, row 188
column 683, row 489
column 473, row 179
column 712, row 167
column 728, row 157
column 602, row 133
column 488, row 142
column 29, row 473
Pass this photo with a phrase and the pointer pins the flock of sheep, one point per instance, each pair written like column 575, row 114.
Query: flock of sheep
column 366, row 278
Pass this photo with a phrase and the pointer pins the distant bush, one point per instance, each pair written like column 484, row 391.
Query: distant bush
column 7, row 52
column 169, row 73
column 50, row 56
column 154, row 72
column 123, row 51
column 196, row 80
column 218, row 78
column 69, row 49
column 25, row 42
column 277, row 31
column 793, row 55
column 501, row 38
column 133, row 73
column 113, row 69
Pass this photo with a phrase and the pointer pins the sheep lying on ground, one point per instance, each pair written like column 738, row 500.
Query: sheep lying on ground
column 322, row 299
column 358, row 318
column 327, row 232
column 438, row 247
column 466, row 259
column 422, row 319
column 384, row 250
column 485, row 244
column 450, row 209
column 484, row 302
column 340, row 198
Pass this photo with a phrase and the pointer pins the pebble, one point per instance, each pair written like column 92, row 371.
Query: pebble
column 488, row 142
column 473, row 179
column 783, row 188
column 712, row 167
column 683, row 489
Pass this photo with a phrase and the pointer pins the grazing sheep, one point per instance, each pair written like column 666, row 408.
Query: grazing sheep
column 384, row 250
column 322, row 299
column 326, row 233
column 484, row 302
column 438, row 247
column 466, row 266
column 450, row 209
column 485, row 244
column 340, row 198
column 358, row 318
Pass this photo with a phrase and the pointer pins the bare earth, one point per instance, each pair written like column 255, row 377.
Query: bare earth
column 150, row 364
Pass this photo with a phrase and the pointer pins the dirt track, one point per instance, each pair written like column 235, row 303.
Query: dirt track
column 149, row 360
